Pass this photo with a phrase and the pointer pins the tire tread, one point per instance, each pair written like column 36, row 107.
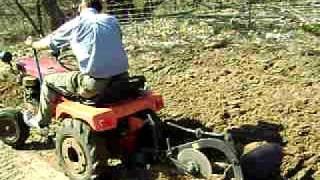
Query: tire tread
column 94, row 147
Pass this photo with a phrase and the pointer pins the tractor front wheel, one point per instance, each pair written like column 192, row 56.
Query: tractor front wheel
column 13, row 130
column 81, row 152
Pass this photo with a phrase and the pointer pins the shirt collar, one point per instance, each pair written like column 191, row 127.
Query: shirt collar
column 89, row 11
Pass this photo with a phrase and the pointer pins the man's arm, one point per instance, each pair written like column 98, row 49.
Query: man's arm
column 58, row 39
column 41, row 44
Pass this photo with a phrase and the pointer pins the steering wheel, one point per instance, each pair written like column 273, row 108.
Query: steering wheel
column 67, row 60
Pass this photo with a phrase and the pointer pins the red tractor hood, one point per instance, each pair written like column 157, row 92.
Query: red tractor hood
column 47, row 66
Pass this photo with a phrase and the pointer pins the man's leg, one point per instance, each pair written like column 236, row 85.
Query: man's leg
column 71, row 82
column 48, row 95
column 89, row 87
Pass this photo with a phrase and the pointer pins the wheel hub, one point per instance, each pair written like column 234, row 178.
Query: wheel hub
column 195, row 162
column 73, row 156
column 193, row 167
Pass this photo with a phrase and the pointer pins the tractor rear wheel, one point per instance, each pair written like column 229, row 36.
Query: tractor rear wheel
column 13, row 130
column 81, row 152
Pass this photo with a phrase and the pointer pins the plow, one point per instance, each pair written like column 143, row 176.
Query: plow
column 124, row 125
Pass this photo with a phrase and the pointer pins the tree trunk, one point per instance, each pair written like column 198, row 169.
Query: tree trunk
column 27, row 15
column 39, row 16
column 56, row 16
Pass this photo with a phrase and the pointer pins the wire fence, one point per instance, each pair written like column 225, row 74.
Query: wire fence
column 207, row 17
column 247, row 9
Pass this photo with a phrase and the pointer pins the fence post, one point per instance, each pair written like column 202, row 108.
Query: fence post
column 250, row 14
column 175, row 5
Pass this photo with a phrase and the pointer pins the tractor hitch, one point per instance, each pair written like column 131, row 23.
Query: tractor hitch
column 192, row 158
column 199, row 133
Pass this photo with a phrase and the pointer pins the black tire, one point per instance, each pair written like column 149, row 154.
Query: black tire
column 81, row 152
column 13, row 131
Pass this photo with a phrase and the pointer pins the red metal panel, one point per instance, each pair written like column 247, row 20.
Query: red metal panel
column 106, row 118
column 47, row 66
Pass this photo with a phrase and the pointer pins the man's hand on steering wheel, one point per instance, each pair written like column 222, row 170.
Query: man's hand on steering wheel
column 29, row 41
column 44, row 44
column 38, row 45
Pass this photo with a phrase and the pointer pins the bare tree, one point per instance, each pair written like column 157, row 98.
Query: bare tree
column 55, row 14
column 52, row 9
column 37, row 29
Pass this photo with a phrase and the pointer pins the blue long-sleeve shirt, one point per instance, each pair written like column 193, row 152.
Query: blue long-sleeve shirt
column 96, row 41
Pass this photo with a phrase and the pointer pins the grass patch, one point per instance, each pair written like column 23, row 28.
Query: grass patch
column 312, row 28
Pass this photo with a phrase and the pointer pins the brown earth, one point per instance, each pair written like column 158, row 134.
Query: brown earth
column 268, row 89
column 265, row 90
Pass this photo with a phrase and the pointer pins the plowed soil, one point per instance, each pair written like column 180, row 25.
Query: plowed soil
column 264, row 89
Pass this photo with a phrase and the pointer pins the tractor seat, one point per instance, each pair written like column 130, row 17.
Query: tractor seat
column 118, row 90
column 122, row 90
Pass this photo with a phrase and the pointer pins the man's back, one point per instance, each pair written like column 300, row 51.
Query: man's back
column 100, row 34
column 103, row 34
column 96, row 41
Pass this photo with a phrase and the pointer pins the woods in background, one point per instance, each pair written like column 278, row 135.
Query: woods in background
column 41, row 16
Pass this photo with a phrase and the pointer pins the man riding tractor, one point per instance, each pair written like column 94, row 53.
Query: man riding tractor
column 96, row 41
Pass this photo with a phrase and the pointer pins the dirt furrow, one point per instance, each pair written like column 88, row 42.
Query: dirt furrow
column 27, row 165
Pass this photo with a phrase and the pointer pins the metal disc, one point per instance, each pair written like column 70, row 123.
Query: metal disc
column 192, row 156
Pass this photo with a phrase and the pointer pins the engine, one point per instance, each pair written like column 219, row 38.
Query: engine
column 31, row 89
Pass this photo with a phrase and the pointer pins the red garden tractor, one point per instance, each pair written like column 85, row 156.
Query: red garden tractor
column 123, row 126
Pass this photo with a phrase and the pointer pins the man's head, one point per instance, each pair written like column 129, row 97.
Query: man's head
column 96, row 4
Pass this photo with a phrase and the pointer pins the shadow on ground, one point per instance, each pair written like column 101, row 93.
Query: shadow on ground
column 38, row 146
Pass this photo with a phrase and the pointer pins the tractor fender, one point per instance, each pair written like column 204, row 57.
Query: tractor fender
column 106, row 118
column 99, row 119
